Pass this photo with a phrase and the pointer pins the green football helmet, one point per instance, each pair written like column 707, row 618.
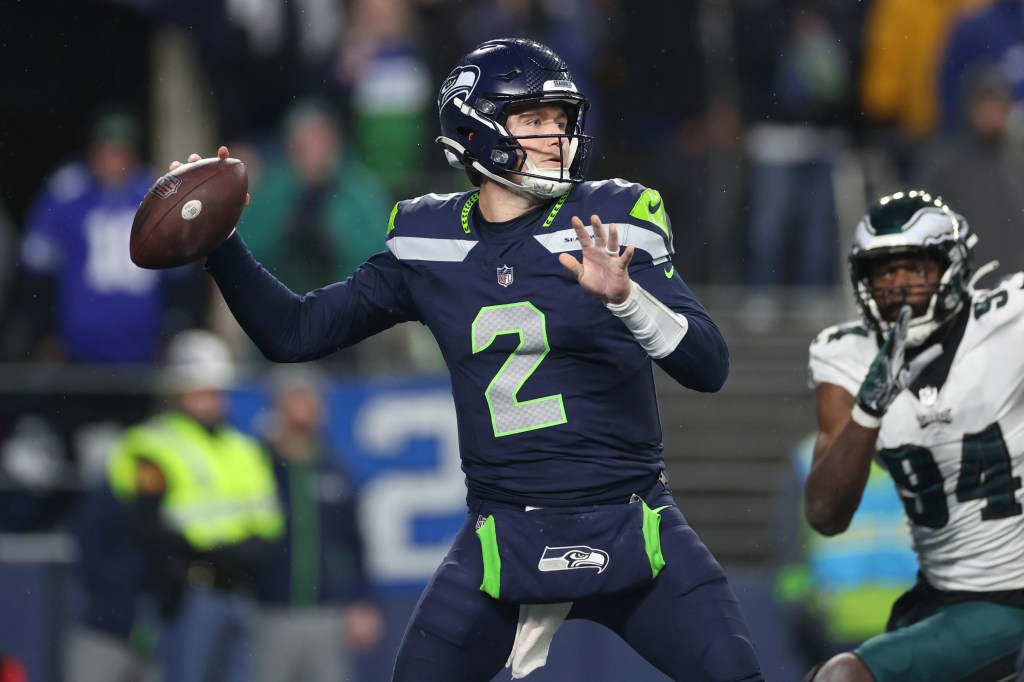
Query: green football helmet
column 914, row 224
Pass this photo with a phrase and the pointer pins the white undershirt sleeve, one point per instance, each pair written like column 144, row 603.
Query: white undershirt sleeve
column 658, row 328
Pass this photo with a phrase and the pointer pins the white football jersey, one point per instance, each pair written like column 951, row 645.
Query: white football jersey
column 954, row 447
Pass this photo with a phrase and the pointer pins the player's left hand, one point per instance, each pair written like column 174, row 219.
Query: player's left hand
column 889, row 373
column 604, row 272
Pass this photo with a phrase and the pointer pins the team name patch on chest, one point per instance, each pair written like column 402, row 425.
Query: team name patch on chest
column 928, row 396
column 943, row 416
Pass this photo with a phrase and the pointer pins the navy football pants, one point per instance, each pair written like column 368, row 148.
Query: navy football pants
column 687, row 623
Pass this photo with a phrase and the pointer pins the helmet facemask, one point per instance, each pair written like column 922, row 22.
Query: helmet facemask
column 945, row 295
column 542, row 182
column 916, row 227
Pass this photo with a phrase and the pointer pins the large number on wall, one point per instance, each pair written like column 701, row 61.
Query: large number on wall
column 393, row 500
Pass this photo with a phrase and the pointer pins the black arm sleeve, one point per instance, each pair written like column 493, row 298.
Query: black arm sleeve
column 701, row 360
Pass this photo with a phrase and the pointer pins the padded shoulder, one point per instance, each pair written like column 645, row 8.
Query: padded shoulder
column 432, row 227
column 840, row 355
column 637, row 211
column 432, row 215
column 1002, row 303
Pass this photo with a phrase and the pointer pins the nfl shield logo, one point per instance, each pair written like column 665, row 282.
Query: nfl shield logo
column 166, row 186
column 928, row 395
column 505, row 275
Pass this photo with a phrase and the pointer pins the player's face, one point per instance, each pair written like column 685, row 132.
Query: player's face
column 904, row 280
column 541, row 119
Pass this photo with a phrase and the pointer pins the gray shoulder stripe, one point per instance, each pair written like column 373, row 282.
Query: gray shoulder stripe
column 639, row 237
column 426, row 248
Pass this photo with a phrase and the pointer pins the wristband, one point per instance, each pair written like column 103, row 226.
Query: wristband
column 657, row 328
column 868, row 421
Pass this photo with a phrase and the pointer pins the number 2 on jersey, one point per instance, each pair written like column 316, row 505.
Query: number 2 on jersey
column 508, row 414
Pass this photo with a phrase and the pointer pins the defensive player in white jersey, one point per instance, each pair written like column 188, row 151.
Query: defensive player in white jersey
column 931, row 383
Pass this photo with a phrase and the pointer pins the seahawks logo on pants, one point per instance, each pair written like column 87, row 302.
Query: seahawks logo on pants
column 567, row 558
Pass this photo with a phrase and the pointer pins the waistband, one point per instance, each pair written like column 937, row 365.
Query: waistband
column 659, row 485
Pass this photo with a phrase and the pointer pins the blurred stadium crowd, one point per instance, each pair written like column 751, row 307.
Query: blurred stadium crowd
column 768, row 125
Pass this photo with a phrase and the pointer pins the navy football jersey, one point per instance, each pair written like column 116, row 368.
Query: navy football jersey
column 555, row 397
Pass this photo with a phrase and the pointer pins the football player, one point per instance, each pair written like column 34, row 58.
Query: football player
column 549, row 297
column 931, row 384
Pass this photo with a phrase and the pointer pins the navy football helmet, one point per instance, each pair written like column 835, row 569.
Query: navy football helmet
column 913, row 223
column 474, row 104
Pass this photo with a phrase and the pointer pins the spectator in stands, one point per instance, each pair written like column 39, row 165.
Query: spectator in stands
column 898, row 83
column 990, row 37
column 980, row 170
column 114, row 636
column 88, row 302
column 258, row 56
column 37, row 482
column 316, row 213
column 382, row 70
column 316, row 601
column 201, row 502
column 797, row 80
column 662, row 143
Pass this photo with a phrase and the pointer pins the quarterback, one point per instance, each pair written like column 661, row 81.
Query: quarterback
column 549, row 296
column 931, row 384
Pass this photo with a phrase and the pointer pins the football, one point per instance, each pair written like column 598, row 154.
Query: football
column 188, row 212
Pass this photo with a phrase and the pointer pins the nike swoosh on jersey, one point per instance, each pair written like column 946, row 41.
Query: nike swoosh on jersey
column 671, row 271
column 653, row 208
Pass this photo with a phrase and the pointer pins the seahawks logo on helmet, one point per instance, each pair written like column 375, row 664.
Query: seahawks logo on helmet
column 460, row 82
column 568, row 558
